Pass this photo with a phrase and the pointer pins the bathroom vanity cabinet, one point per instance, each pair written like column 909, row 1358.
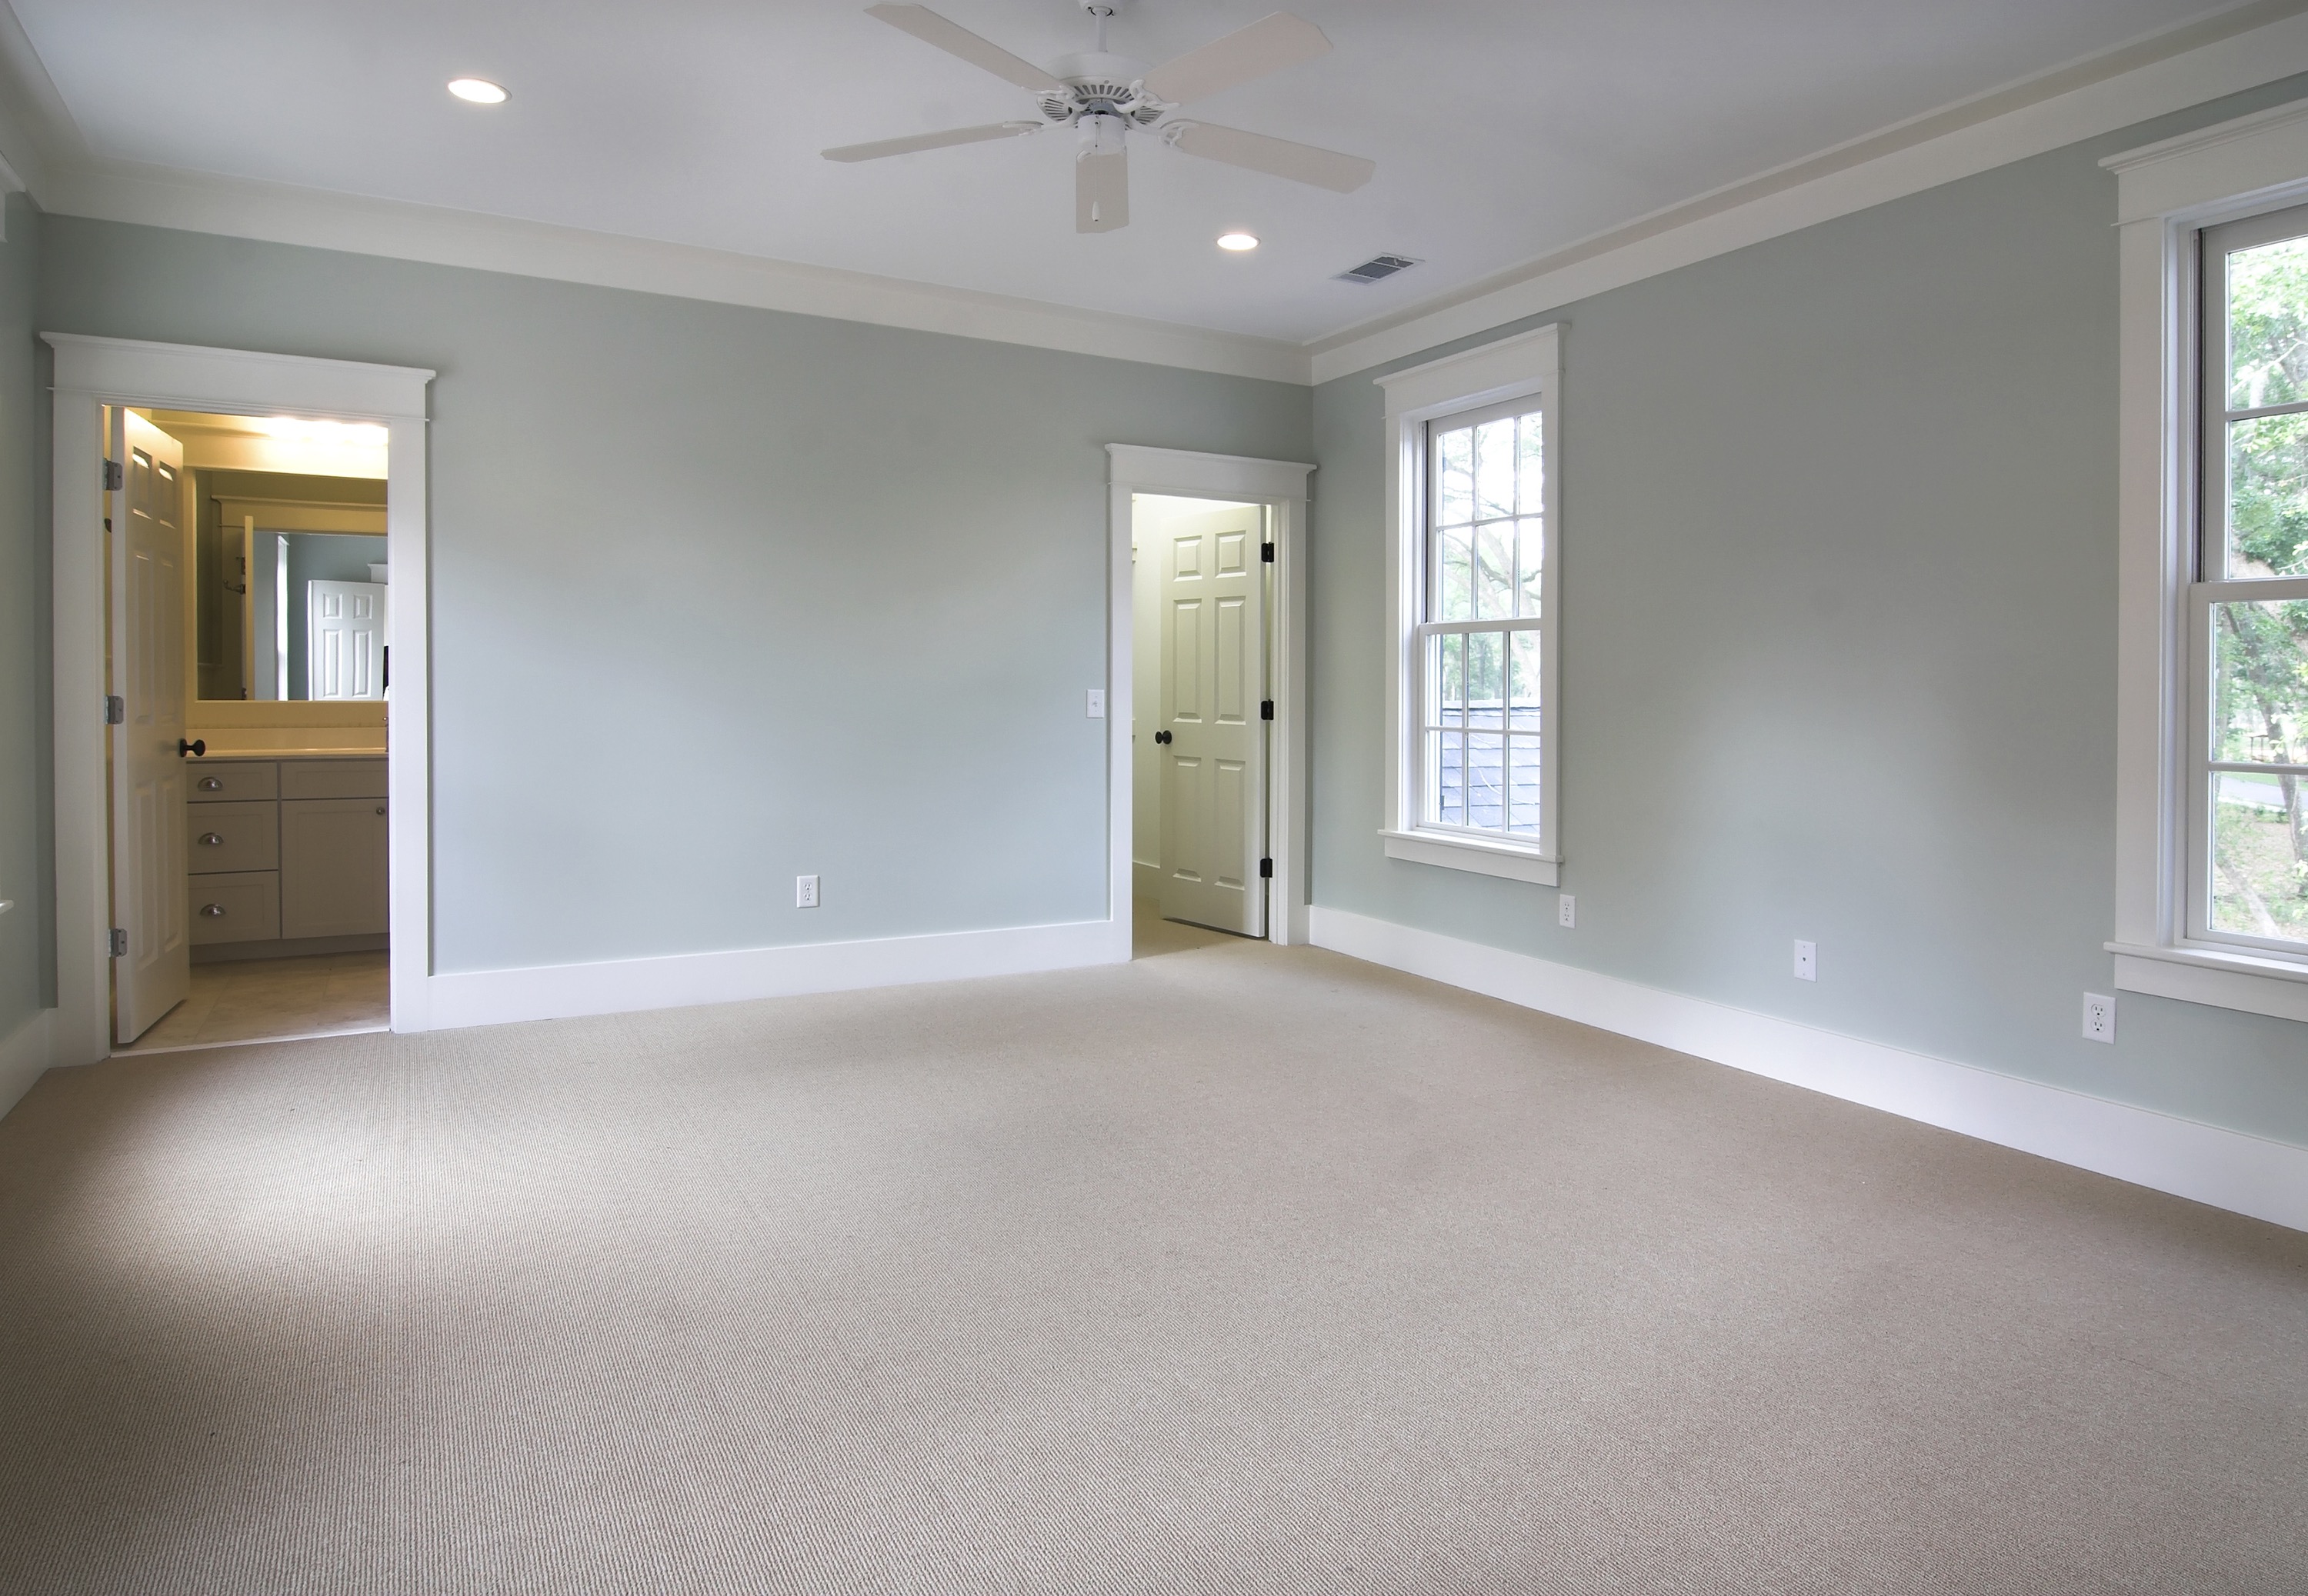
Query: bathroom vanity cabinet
column 286, row 854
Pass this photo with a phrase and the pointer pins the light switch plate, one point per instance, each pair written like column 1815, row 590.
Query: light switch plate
column 1098, row 703
column 805, row 892
column 1806, row 961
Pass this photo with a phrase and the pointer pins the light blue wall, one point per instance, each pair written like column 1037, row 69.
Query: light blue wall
column 724, row 596
column 1839, row 647
column 25, row 838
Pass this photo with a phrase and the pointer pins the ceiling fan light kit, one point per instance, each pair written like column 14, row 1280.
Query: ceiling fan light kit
column 1105, row 96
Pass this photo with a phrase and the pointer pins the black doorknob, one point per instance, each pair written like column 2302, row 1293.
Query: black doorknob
column 198, row 747
column 1161, row 736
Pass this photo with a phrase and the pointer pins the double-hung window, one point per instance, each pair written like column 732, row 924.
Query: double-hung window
column 2247, row 844
column 2211, row 731
column 1481, row 637
column 1473, row 537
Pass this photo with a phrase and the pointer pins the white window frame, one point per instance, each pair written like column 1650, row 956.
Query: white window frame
column 1526, row 366
column 2167, row 194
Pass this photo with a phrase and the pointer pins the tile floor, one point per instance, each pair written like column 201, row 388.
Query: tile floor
column 255, row 999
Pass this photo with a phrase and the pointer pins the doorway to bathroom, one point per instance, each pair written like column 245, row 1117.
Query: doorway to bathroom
column 250, row 578
column 233, row 860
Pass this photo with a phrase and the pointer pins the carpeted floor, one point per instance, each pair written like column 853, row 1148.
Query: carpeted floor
column 1236, row 1269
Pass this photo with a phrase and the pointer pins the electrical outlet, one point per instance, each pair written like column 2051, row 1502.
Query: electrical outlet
column 1566, row 911
column 1806, row 961
column 2099, row 1018
column 1098, row 703
column 805, row 892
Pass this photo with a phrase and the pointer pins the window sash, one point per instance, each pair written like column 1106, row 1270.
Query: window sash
column 2212, row 585
column 1446, row 752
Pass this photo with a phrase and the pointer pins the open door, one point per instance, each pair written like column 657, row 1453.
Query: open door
column 154, row 972
column 1212, row 736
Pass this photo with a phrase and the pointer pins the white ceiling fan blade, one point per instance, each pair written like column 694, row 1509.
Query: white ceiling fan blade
column 937, row 141
column 1268, row 45
column 954, row 39
column 1301, row 163
column 1101, row 193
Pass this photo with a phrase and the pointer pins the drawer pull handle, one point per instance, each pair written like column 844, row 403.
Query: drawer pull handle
column 380, row 809
column 198, row 747
column 212, row 910
column 211, row 784
column 209, row 839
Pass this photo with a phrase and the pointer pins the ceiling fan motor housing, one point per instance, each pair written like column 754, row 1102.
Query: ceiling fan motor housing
column 1101, row 85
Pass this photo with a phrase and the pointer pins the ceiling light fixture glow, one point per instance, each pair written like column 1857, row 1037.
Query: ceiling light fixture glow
column 1239, row 241
column 480, row 91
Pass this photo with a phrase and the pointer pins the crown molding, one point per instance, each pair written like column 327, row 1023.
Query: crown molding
column 2239, row 48
column 280, row 213
column 2243, row 48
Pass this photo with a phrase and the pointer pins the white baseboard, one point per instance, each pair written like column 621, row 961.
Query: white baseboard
column 24, row 1058
column 626, row 986
column 2226, row 1169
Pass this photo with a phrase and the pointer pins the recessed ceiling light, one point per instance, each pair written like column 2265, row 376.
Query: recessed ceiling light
column 1238, row 242
column 480, row 91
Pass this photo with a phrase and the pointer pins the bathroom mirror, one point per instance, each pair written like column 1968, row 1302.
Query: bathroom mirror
column 291, row 588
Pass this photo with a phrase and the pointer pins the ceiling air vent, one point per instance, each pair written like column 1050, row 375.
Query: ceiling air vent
column 1375, row 267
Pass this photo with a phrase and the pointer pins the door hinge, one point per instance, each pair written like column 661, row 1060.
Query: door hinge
column 1266, row 869
column 387, row 680
column 1266, row 709
column 115, row 479
column 119, row 943
column 1266, row 553
column 116, row 710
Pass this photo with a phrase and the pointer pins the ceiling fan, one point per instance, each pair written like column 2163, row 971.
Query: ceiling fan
column 1104, row 97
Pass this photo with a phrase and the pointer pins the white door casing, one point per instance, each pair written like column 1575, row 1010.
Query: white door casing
column 154, row 972
column 91, row 373
column 1214, row 682
column 1281, row 487
column 344, row 640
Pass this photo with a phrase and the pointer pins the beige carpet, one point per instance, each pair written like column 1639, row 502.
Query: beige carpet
column 1233, row 1270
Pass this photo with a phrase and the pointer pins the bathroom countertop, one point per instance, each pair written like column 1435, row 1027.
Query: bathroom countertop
column 216, row 754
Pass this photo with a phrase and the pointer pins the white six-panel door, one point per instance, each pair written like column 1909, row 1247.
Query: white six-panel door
column 1213, row 684
column 154, row 973
column 344, row 639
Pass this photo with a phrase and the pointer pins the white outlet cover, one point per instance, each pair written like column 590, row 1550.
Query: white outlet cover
column 1806, row 961
column 805, row 892
column 1098, row 703
column 2099, row 1017
column 1566, row 912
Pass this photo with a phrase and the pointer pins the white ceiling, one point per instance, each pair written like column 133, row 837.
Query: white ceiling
column 1502, row 129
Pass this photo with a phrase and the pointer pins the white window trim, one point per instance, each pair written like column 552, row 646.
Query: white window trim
column 1528, row 363
column 2166, row 193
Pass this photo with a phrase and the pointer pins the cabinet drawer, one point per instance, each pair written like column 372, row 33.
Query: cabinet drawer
column 220, row 782
column 241, row 907
column 332, row 779
column 227, row 837
column 332, row 867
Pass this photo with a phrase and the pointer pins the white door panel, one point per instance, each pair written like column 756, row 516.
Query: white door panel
column 154, row 973
column 1214, row 683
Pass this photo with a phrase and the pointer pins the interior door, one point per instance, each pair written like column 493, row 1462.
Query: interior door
column 1213, row 690
column 344, row 631
column 154, row 973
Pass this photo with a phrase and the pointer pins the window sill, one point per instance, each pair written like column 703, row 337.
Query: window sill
column 2221, row 978
column 1488, row 859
